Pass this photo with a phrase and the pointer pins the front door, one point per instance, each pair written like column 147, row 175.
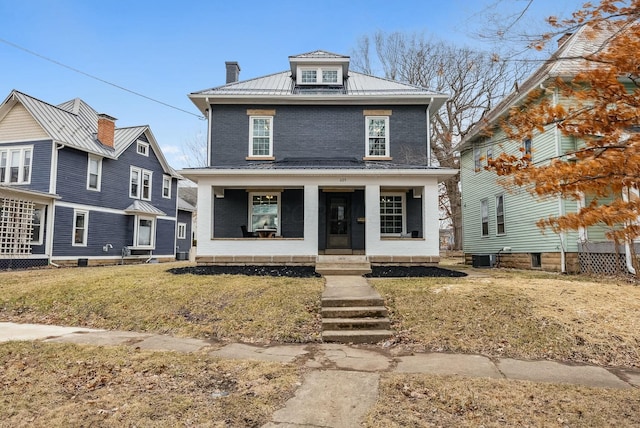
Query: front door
column 339, row 222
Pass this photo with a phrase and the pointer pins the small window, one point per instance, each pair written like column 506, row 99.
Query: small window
column 80, row 228
column 182, row 230
column 477, row 162
column 166, row 187
column 145, row 232
column 36, row 224
column 536, row 260
column 500, row 215
column 143, row 148
column 309, row 76
column 261, row 136
column 94, row 173
column 392, row 214
column 526, row 147
column 489, row 153
column 484, row 213
column 146, row 185
column 377, row 144
column 134, row 183
column 15, row 165
column 329, row 76
column 264, row 211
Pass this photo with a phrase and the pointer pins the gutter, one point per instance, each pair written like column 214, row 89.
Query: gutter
column 429, row 133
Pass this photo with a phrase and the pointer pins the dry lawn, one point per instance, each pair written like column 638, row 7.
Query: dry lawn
column 518, row 314
column 147, row 298
column 56, row 385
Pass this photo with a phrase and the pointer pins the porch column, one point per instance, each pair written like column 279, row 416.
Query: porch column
column 311, row 217
column 205, row 216
column 431, row 218
column 372, row 218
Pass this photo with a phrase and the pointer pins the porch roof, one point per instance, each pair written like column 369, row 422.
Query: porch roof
column 315, row 163
column 141, row 207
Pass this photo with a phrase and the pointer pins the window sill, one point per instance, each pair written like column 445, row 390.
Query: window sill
column 260, row 158
column 377, row 158
column 399, row 238
column 254, row 239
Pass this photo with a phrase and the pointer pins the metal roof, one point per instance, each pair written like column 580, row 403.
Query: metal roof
column 307, row 163
column 142, row 207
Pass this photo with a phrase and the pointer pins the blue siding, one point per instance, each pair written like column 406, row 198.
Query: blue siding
column 230, row 213
column 316, row 131
column 292, row 213
column 414, row 214
column 185, row 244
column 165, row 237
column 40, row 164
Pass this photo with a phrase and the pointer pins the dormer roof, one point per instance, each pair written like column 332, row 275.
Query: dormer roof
column 318, row 58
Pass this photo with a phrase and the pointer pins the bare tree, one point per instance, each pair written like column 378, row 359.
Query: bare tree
column 474, row 80
column 194, row 151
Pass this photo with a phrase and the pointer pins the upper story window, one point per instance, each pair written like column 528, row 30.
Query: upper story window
column 142, row 148
column 166, row 187
column 94, row 173
column 526, row 147
column 477, row 162
column 140, row 184
column 319, row 75
column 80, row 228
column 261, row 136
column 15, row 165
column 484, row 213
column 377, row 144
column 500, row 215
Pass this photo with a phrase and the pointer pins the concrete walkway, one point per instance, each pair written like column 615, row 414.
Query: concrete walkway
column 341, row 382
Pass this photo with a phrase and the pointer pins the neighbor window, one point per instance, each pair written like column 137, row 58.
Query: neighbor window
column 15, row 165
column 261, row 136
column 80, row 228
column 526, row 146
column 143, row 148
column 264, row 211
column 182, row 230
column 489, row 154
column 166, row 186
column 500, row 214
column 377, row 136
column 140, row 184
column 94, row 172
column 145, row 232
column 484, row 213
column 36, row 224
column 477, row 162
column 391, row 213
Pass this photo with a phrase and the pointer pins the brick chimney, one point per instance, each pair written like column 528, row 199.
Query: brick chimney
column 106, row 129
column 233, row 71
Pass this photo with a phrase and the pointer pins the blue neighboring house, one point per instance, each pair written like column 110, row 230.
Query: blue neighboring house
column 75, row 189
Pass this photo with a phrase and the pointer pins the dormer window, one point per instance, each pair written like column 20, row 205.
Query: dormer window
column 319, row 75
column 143, row 148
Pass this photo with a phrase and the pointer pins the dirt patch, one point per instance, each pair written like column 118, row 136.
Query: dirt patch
column 413, row 272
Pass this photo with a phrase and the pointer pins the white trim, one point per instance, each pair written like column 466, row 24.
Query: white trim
column 319, row 74
column 403, row 201
column 98, row 159
column 367, row 148
column 85, row 237
column 104, row 210
column 251, row 136
column 504, row 217
column 278, row 196
column 182, row 234
column 141, row 172
column 42, row 209
column 8, row 151
column 144, row 146
column 136, row 232
column 486, row 204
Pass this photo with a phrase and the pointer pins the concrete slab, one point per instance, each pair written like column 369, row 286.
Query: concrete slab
column 103, row 338
column 282, row 354
column 14, row 331
column 550, row 371
column 337, row 399
column 633, row 377
column 168, row 343
column 350, row 286
column 448, row 364
column 346, row 357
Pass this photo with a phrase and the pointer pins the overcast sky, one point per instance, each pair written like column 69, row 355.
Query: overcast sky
column 165, row 50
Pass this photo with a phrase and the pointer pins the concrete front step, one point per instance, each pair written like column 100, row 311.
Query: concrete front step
column 350, row 302
column 368, row 323
column 354, row 312
column 356, row 336
column 342, row 265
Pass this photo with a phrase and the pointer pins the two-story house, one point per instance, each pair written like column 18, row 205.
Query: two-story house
column 74, row 189
column 317, row 160
column 500, row 223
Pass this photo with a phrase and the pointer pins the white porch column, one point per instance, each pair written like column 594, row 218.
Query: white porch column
column 431, row 219
column 311, row 216
column 205, row 217
column 372, row 215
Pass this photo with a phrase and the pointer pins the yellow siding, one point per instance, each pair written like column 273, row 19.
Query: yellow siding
column 19, row 125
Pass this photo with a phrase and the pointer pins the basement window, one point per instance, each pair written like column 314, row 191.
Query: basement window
column 536, row 260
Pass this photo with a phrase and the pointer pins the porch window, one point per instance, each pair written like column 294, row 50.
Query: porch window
column 264, row 211
column 392, row 213
column 80, row 228
column 15, row 165
column 500, row 215
column 36, row 223
column 484, row 213
column 145, row 232
column 377, row 136
column 261, row 136
column 94, row 172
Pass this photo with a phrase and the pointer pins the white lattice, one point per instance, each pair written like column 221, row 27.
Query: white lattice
column 16, row 227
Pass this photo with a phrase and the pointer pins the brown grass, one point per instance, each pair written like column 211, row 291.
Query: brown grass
column 62, row 385
column 520, row 315
column 147, row 298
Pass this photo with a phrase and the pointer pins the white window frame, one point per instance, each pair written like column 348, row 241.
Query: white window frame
column 403, row 197
column 166, row 185
column 6, row 157
column 484, row 217
column 85, row 234
column 278, row 196
column 40, row 225
column 139, row 191
column 319, row 72
column 477, row 161
column 367, row 121
column 182, row 230
column 504, row 225
column 251, row 136
column 142, row 148
column 98, row 160
column 136, row 233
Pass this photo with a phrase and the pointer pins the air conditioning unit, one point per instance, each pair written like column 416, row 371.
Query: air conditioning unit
column 483, row 260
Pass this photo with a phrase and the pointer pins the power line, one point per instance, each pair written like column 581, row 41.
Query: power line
column 99, row 79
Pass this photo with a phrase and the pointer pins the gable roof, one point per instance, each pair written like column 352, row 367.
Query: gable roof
column 74, row 123
column 567, row 61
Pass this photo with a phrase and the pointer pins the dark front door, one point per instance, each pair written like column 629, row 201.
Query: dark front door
column 339, row 221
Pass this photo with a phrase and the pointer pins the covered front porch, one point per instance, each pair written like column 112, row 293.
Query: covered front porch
column 292, row 217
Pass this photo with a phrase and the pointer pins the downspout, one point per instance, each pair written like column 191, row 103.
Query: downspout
column 429, row 132
column 208, row 133
column 627, row 245
column 561, row 207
